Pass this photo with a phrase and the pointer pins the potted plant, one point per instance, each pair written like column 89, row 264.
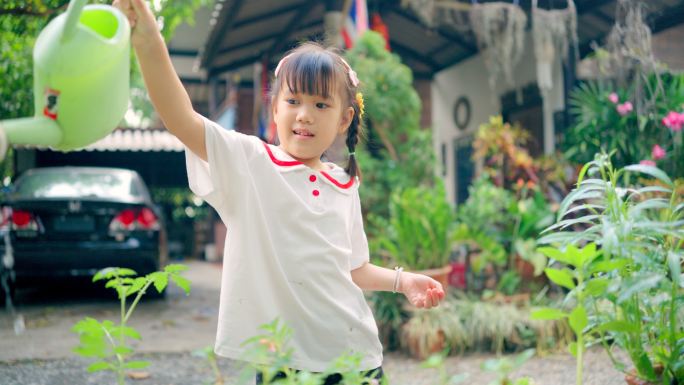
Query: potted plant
column 419, row 231
column 434, row 331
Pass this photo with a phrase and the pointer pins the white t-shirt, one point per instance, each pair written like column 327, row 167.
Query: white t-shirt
column 294, row 235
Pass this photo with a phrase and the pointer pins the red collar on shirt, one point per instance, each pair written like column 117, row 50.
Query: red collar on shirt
column 296, row 163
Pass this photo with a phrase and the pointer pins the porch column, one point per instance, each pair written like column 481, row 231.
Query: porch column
column 332, row 22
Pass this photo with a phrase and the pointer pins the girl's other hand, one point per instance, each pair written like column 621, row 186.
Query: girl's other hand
column 141, row 18
column 421, row 290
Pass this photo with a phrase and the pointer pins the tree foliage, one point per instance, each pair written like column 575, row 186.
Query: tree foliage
column 20, row 24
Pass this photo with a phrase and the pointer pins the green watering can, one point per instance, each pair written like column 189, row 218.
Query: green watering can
column 81, row 64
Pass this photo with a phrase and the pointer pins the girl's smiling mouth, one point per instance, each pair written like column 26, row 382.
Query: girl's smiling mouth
column 303, row 132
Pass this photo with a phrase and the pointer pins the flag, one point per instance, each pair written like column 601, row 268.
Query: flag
column 380, row 27
column 356, row 22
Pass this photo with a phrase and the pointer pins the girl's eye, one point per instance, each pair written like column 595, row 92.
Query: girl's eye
column 321, row 105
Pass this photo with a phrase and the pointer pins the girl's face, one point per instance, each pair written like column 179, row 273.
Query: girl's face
column 308, row 124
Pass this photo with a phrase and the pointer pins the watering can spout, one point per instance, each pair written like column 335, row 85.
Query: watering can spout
column 73, row 15
column 37, row 130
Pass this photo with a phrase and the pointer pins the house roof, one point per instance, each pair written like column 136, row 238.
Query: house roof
column 237, row 33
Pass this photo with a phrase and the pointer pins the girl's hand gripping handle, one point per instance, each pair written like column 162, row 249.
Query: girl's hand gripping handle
column 166, row 91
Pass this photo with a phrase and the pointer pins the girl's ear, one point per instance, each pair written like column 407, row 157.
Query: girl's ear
column 347, row 116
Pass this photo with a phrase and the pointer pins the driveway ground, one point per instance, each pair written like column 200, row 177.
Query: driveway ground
column 175, row 328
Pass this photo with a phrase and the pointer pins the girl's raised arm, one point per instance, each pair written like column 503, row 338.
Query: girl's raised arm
column 166, row 91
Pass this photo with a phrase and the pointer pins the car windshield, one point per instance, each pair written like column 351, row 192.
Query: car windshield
column 69, row 183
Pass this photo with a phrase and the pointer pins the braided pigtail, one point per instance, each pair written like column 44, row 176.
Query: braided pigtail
column 353, row 135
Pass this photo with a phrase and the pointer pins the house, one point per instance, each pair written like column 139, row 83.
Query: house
column 223, row 59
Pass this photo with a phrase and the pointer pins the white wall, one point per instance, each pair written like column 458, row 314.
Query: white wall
column 470, row 78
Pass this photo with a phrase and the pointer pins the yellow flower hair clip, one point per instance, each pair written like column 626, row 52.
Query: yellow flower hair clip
column 359, row 101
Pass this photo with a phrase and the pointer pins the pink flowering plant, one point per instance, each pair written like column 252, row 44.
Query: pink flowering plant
column 641, row 125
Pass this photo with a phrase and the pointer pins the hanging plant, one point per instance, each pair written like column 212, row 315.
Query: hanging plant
column 553, row 32
column 441, row 12
column 499, row 29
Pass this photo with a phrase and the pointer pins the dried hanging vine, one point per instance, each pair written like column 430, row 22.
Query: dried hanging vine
column 554, row 30
column 499, row 29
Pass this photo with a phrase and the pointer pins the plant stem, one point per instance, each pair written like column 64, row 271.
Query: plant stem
column 580, row 348
column 119, row 357
column 122, row 298
column 135, row 302
column 605, row 344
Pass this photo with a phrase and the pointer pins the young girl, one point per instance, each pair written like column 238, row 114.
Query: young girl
column 296, row 247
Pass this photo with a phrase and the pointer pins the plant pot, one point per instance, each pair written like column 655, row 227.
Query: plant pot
column 632, row 379
column 440, row 275
column 423, row 346
column 457, row 276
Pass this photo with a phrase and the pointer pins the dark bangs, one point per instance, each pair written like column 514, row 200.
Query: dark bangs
column 311, row 73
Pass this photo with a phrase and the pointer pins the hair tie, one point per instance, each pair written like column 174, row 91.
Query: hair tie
column 353, row 153
column 359, row 101
column 352, row 74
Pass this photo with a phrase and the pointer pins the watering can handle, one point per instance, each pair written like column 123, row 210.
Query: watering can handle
column 73, row 15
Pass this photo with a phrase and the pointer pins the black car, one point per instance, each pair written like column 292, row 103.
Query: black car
column 69, row 222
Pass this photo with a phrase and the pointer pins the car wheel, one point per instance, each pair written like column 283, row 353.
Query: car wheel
column 3, row 294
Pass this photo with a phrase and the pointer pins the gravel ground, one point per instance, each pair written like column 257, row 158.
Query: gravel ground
column 188, row 369
column 174, row 328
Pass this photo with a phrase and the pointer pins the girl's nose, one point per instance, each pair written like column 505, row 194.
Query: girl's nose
column 304, row 115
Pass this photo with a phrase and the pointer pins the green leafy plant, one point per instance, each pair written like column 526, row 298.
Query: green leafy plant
column 419, row 232
column 208, row 354
column 269, row 354
column 634, row 288
column 438, row 361
column 505, row 365
column 107, row 341
column 576, row 278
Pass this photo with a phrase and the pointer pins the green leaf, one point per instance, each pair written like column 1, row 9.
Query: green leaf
column 548, row 313
column 652, row 189
column 572, row 348
column 122, row 350
column 562, row 225
column 558, row 255
column 587, row 254
column 576, row 195
column 175, row 268
column 560, row 277
column 608, row 266
column 160, row 280
column 100, row 365
column 617, row 326
column 650, row 170
column 596, row 286
column 640, row 283
column 578, row 319
column 181, row 282
column 559, row 237
column 127, row 331
column 106, row 273
column 645, row 366
column 674, row 260
column 678, row 207
column 136, row 364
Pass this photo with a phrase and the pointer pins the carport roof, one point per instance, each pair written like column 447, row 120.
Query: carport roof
column 237, row 33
